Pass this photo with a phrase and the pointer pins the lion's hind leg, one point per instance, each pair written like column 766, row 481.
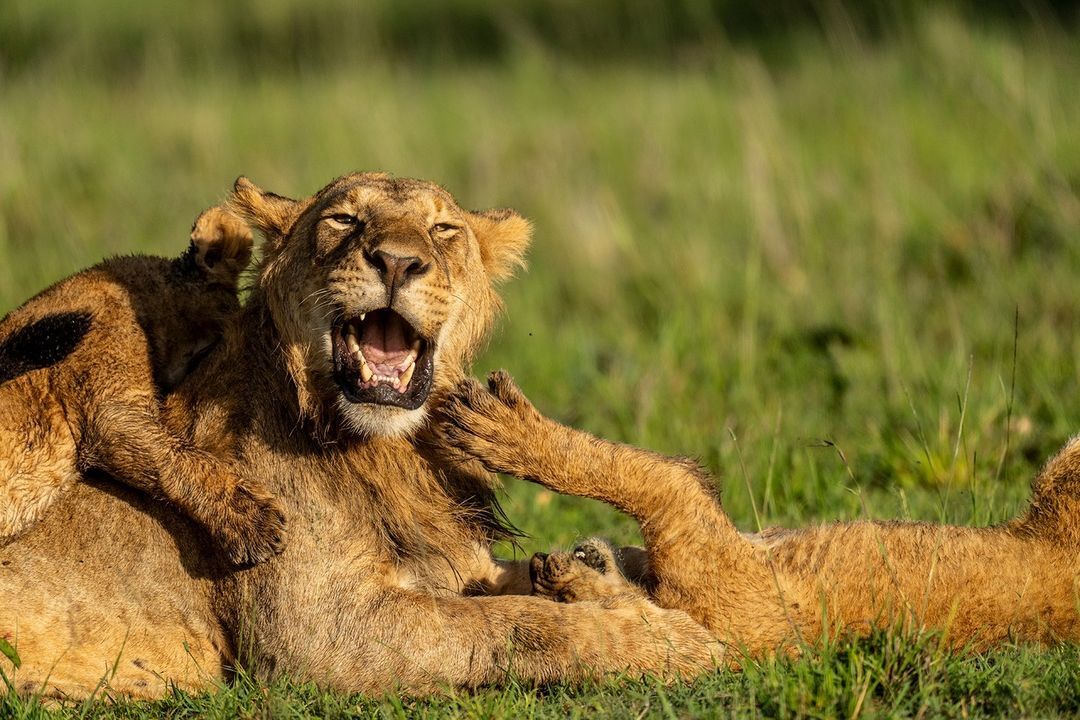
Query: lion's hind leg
column 37, row 454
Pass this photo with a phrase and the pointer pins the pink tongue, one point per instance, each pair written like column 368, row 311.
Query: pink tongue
column 383, row 344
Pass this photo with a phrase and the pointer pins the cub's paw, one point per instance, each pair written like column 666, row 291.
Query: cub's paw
column 221, row 242
column 252, row 528
column 590, row 572
column 495, row 425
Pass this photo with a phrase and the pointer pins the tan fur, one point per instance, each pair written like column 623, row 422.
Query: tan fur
column 98, row 408
column 388, row 581
column 783, row 588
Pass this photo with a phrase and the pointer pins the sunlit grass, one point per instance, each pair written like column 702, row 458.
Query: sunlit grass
column 853, row 269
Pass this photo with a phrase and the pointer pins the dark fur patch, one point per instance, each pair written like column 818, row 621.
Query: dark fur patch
column 186, row 265
column 42, row 344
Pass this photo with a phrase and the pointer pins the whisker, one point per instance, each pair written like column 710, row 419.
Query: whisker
column 462, row 301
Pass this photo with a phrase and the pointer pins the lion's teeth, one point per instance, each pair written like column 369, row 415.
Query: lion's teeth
column 362, row 316
column 354, row 346
column 365, row 371
column 416, row 346
column 406, row 376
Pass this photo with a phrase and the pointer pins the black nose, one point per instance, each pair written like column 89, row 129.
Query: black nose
column 396, row 270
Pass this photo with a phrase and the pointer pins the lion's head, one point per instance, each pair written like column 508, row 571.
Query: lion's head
column 381, row 289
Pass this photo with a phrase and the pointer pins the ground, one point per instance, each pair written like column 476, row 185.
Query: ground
column 840, row 273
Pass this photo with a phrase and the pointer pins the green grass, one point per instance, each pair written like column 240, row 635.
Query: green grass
column 842, row 276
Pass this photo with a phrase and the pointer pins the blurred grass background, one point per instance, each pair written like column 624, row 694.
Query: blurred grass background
column 830, row 249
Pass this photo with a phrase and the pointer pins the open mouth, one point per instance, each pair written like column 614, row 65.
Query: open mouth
column 380, row 358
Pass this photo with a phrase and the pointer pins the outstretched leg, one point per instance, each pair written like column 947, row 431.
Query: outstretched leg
column 698, row 560
column 414, row 642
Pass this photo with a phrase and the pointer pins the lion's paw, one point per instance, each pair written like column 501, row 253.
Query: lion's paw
column 590, row 572
column 253, row 526
column 222, row 243
column 494, row 425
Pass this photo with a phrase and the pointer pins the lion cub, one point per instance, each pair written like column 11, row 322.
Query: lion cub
column 83, row 367
column 779, row 588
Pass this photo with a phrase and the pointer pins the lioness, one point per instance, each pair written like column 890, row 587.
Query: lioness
column 388, row 579
column 82, row 366
column 780, row 588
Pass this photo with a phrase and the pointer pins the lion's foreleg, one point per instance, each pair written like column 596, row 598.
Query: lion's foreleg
column 417, row 643
column 125, row 437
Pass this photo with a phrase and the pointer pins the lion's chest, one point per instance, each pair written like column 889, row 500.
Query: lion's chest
column 391, row 520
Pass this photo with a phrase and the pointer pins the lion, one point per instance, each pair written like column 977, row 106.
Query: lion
column 369, row 301
column 82, row 368
column 782, row 589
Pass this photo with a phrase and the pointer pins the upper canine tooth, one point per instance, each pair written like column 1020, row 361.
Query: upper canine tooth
column 350, row 340
column 362, row 316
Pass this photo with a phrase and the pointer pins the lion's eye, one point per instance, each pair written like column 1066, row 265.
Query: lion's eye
column 445, row 230
column 343, row 221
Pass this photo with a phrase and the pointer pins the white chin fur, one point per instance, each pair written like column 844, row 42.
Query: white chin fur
column 380, row 420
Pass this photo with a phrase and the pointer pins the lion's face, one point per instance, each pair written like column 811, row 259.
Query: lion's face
column 381, row 288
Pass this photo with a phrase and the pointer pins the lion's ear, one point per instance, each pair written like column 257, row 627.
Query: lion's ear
column 504, row 237
column 273, row 214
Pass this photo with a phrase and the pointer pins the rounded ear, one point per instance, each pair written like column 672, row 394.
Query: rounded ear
column 273, row 214
column 504, row 238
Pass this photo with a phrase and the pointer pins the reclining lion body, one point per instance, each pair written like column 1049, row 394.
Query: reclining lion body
column 387, row 580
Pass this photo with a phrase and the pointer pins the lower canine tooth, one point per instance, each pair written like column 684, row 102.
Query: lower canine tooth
column 365, row 372
column 407, row 376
